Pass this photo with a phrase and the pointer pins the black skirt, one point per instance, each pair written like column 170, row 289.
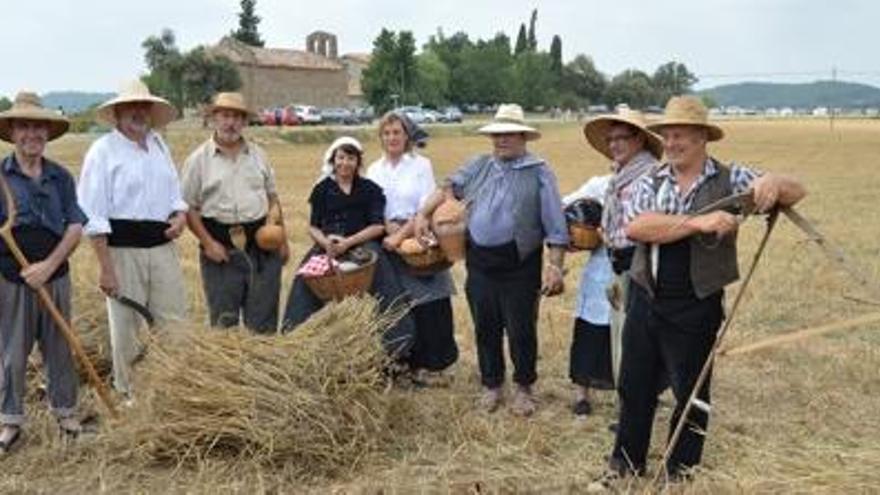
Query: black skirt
column 590, row 359
column 434, row 348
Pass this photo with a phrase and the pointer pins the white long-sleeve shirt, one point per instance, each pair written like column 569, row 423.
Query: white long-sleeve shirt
column 406, row 185
column 122, row 181
column 591, row 303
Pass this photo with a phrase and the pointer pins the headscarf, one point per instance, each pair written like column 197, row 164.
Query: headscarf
column 327, row 164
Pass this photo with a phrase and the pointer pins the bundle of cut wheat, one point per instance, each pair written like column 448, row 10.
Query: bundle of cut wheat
column 314, row 398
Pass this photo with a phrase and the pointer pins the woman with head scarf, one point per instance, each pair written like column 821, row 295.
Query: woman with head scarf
column 407, row 178
column 347, row 212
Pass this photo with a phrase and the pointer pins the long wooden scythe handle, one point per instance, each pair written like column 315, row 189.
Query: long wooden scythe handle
column 47, row 303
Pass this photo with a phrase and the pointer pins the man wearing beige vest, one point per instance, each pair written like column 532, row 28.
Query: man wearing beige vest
column 230, row 187
column 131, row 194
column 682, row 264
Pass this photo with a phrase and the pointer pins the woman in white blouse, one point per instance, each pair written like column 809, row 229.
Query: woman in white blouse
column 407, row 178
column 590, row 353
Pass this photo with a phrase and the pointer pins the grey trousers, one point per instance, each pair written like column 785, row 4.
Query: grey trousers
column 238, row 290
column 23, row 321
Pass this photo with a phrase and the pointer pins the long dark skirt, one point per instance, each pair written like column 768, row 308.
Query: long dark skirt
column 590, row 358
column 434, row 348
column 397, row 340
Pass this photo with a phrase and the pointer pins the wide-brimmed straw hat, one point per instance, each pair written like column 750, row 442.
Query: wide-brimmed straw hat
column 510, row 119
column 134, row 91
column 230, row 101
column 596, row 131
column 27, row 106
column 687, row 110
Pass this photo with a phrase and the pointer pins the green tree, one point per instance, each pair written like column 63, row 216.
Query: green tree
column 5, row 104
column 582, row 79
column 378, row 79
column 248, row 21
column 671, row 79
column 632, row 87
column 186, row 79
column 433, row 79
column 165, row 63
column 489, row 69
column 533, row 39
column 392, row 71
column 556, row 56
column 405, row 66
column 533, row 82
column 522, row 43
column 455, row 52
column 204, row 75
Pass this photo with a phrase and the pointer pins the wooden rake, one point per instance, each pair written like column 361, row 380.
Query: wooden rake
column 46, row 301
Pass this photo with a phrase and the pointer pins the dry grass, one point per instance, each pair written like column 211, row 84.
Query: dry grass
column 798, row 418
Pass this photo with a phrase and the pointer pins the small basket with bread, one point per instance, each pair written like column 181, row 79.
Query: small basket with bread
column 584, row 217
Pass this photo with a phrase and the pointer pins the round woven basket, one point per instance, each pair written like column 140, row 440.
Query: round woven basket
column 337, row 285
column 583, row 236
column 431, row 261
column 451, row 238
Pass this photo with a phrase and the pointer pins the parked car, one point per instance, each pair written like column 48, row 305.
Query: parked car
column 365, row 115
column 308, row 114
column 432, row 116
column 339, row 116
column 451, row 114
column 416, row 114
column 279, row 116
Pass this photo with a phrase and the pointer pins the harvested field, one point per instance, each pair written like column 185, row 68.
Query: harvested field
column 799, row 417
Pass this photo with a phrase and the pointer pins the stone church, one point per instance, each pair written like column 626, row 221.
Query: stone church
column 279, row 76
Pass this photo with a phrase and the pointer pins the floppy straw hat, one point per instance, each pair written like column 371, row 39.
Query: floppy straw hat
column 134, row 91
column 596, row 131
column 687, row 110
column 27, row 106
column 230, row 101
column 509, row 119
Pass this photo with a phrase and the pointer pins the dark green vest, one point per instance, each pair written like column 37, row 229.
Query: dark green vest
column 713, row 263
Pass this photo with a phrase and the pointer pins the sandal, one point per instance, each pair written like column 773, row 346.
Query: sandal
column 582, row 408
column 70, row 428
column 6, row 446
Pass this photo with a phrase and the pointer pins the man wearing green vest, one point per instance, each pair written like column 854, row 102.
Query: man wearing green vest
column 682, row 264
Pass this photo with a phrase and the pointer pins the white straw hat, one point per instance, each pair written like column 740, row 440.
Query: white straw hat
column 133, row 91
column 510, row 119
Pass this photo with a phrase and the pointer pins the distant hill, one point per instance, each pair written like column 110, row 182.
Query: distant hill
column 73, row 101
column 806, row 95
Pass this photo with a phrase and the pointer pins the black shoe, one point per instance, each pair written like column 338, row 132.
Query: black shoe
column 582, row 408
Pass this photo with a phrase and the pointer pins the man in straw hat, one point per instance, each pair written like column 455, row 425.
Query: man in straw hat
column 130, row 191
column 514, row 209
column 682, row 264
column 229, row 186
column 634, row 151
column 48, row 225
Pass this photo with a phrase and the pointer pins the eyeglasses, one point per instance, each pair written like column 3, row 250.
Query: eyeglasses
column 619, row 137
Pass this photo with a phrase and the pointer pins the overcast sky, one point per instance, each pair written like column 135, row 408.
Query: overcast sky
column 92, row 45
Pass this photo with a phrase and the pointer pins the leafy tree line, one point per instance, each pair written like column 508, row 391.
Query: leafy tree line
column 458, row 70
column 190, row 79
column 186, row 79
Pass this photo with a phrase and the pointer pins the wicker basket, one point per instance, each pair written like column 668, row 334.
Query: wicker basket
column 337, row 285
column 431, row 261
column 583, row 236
column 451, row 238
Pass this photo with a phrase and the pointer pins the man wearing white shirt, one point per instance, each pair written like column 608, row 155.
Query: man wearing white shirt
column 130, row 191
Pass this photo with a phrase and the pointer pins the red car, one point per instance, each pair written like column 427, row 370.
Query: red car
column 279, row 116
